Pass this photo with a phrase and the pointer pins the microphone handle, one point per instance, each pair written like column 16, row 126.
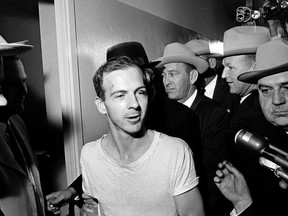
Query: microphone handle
column 275, row 157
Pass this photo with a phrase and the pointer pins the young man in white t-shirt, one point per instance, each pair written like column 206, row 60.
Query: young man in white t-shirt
column 132, row 170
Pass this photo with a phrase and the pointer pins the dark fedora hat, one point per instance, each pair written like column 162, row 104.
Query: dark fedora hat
column 132, row 49
column 271, row 58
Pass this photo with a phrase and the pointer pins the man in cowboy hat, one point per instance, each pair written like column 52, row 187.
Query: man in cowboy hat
column 271, row 77
column 180, row 70
column 161, row 117
column 213, row 85
column 239, row 48
column 20, row 192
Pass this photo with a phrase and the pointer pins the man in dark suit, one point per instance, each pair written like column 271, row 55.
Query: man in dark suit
column 161, row 117
column 268, row 197
column 180, row 71
column 210, row 82
column 271, row 77
column 20, row 192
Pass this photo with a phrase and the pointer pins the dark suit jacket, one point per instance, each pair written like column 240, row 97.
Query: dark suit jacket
column 213, row 120
column 223, row 96
column 17, row 196
column 268, row 198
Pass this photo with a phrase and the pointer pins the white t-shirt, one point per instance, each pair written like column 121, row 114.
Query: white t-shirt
column 146, row 186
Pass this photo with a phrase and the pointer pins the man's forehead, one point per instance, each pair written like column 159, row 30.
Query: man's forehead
column 123, row 76
column 275, row 79
column 232, row 59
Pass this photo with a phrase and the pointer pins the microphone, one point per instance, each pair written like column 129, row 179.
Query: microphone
column 262, row 146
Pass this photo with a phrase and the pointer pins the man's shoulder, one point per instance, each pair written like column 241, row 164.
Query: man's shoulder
column 91, row 146
column 209, row 107
column 171, row 143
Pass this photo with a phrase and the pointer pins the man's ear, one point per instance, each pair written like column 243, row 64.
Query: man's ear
column 212, row 63
column 100, row 105
column 193, row 76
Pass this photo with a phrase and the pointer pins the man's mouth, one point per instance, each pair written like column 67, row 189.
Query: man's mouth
column 134, row 118
column 280, row 113
column 169, row 89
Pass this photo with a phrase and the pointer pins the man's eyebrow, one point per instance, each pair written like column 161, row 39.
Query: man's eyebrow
column 262, row 85
column 267, row 85
column 141, row 87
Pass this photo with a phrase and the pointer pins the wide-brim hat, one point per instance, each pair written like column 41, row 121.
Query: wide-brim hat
column 177, row 52
column 243, row 40
column 207, row 48
column 131, row 49
column 15, row 48
column 271, row 58
column 199, row 47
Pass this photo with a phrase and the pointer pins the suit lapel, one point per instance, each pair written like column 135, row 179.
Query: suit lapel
column 196, row 101
column 6, row 155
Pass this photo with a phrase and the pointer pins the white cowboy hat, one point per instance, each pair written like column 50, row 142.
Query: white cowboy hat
column 177, row 52
column 271, row 58
column 243, row 40
column 10, row 49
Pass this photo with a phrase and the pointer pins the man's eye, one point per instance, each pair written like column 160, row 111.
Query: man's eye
column 285, row 88
column 142, row 92
column 119, row 96
column 265, row 91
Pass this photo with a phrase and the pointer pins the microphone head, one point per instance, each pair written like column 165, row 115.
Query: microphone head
column 251, row 141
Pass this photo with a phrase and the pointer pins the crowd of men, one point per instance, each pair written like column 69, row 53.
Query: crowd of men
column 170, row 147
column 120, row 170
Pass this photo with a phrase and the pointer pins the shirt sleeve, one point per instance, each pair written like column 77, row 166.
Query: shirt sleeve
column 185, row 174
column 85, row 181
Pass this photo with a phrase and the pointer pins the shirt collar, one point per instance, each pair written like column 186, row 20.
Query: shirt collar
column 191, row 99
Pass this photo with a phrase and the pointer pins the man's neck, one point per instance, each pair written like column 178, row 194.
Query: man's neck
column 126, row 148
column 190, row 92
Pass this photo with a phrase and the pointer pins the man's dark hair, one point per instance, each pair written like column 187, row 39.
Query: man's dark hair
column 114, row 64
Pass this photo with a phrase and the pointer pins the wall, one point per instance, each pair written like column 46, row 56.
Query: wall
column 203, row 16
column 101, row 24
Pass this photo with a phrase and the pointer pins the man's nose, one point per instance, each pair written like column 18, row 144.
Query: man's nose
column 166, row 80
column 278, row 98
column 224, row 73
column 133, row 102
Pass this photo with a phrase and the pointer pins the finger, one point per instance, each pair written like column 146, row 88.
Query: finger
column 219, row 173
column 283, row 184
column 51, row 208
column 57, row 200
column 57, row 212
column 87, row 208
column 217, row 179
column 221, row 165
column 85, row 196
column 50, row 196
column 234, row 171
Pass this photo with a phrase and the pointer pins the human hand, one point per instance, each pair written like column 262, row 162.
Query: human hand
column 58, row 199
column 90, row 204
column 233, row 186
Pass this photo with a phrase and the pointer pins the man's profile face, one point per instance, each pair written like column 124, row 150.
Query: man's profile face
column 176, row 81
column 14, row 87
column 233, row 67
column 273, row 97
column 126, row 99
